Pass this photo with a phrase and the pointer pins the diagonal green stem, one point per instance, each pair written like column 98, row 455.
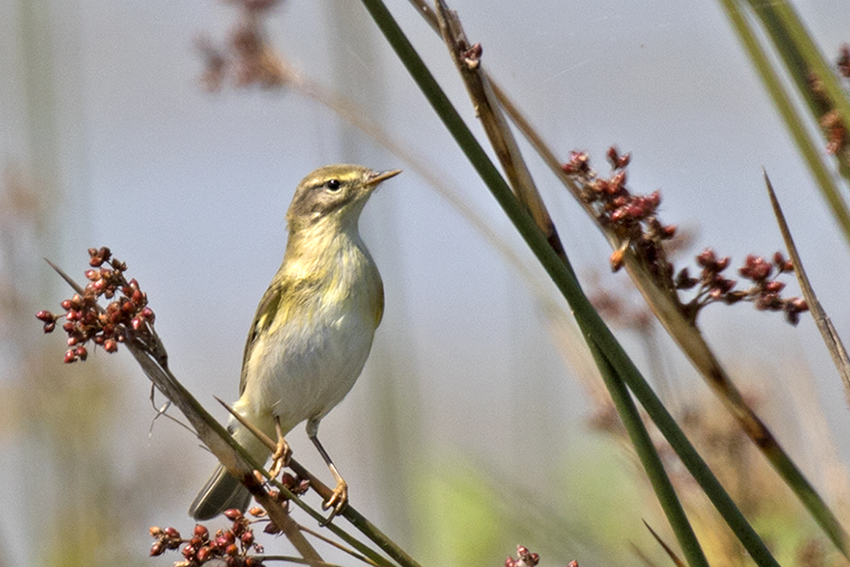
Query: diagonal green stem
column 668, row 312
column 650, row 460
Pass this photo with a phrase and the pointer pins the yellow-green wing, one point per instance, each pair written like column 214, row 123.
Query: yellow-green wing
column 262, row 321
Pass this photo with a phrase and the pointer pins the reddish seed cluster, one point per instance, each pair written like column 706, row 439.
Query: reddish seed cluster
column 296, row 485
column 631, row 217
column 837, row 137
column 764, row 293
column 836, row 134
column 843, row 62
column 247, row 58
column 168, row 538
column 526, row 558
column 230, row 546
column 579, row 164
column 86, row 321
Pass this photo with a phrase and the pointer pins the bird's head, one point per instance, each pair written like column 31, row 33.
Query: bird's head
column 335, row 194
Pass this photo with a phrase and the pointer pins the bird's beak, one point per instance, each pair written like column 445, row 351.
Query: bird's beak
column 377, row 176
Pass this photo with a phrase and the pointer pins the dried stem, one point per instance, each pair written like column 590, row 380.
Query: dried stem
column 467, row 58
column 824, row 323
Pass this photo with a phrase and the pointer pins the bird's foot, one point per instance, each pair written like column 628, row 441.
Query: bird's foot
column 337, row 501
column 281, row 457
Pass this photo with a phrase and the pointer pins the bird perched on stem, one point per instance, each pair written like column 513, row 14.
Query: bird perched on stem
column 312, row 331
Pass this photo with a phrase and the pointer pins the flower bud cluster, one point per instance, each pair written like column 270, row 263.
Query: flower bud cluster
column 229, row 546
column 86, row 321
column 526, row 558
column 843, row 62
column 296, row 485
column 632, row 218
column 764, row 293
column 232, row 546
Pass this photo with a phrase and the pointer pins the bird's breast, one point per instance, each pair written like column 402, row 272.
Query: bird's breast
column 310, row 358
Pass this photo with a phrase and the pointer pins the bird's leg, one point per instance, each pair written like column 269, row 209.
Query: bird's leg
column 339, row 498
column 282, row 452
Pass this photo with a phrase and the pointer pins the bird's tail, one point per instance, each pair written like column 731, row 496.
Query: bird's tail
column 223, row 491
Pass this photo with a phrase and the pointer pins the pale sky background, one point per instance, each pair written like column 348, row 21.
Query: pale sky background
column 190, row 189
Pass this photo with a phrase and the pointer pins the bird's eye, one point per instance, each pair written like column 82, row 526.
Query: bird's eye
column 333, row 185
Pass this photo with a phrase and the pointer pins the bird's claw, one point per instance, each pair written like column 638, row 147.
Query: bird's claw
column 281, row 457
column 337, row 501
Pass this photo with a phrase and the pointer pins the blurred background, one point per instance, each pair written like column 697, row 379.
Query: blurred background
column 477, row 423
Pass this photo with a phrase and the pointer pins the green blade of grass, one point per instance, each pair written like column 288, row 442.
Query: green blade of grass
column 519, row 178
column 673, row 557
column 650, row 460
column 681, row 329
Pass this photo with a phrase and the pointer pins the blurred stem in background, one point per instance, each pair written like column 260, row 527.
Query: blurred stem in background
column 396, row 425
column 61, row 462
column 817, row 84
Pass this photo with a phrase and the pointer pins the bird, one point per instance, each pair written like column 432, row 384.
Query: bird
column 312, row 332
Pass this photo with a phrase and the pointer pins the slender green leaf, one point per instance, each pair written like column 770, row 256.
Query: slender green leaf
column 650, row 460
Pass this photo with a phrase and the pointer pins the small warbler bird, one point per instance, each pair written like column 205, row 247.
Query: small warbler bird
column 312, row 331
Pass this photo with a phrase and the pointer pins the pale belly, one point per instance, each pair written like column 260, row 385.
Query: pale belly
column 307, row 367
